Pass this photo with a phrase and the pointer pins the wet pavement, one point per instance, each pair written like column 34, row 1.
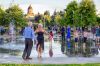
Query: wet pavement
column 58, row 56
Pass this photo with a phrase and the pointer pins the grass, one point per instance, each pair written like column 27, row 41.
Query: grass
column 49, row 64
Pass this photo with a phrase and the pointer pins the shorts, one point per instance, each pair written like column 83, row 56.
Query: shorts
column 76, row 39
column 85, row 39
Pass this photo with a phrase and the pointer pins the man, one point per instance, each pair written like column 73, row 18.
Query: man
column 28, row 35
column 63, row 39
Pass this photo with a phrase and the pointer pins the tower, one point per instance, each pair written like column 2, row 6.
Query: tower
column 30, row 12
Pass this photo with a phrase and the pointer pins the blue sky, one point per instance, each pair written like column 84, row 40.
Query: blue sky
column 43, row 5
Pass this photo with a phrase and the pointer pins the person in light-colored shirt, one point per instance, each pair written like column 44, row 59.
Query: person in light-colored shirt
column 29, row 35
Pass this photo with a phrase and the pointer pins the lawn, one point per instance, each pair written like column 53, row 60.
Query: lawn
column 49, row 64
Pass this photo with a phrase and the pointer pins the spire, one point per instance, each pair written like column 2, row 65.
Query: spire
column 30, row 7
column 30, row 11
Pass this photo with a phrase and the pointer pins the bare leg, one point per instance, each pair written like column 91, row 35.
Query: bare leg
column 38, row 49
column 41, row 51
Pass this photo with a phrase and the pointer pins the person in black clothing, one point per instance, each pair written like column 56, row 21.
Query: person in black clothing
column 63, row 39
column 40, row 38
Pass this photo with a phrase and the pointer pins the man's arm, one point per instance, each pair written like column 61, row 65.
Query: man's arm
column 33, row 35
column 24, row 32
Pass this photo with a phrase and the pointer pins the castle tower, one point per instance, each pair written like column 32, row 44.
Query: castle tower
column 30, row 12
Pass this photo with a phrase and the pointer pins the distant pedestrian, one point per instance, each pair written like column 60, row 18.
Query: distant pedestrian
column 76, row 39
column 68, row 36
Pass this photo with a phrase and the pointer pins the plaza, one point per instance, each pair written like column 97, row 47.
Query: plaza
column 71, row 32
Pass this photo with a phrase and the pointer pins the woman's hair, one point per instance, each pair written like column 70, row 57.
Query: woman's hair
column 40, row 25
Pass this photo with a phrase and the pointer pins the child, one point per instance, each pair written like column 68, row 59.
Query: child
column 50, row 46
column 51, row 36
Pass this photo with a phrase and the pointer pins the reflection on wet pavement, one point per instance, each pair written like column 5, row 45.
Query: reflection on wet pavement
column 61, row 50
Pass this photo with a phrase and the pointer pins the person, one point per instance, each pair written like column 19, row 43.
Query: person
column 85, row 35
column 68, row 36
column 50, row 46
column 40, row 38
column 76, row 36
column 21, row 32
column 98, row 36
column 51, row 36
column 63, row 39
column 93, row 31
column 63, row 33
column 29, row 35
column 76, row 39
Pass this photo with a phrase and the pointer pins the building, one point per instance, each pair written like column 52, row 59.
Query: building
column 30, row 15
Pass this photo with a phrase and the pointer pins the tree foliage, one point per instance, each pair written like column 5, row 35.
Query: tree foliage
column 71, row 13
column 16, row 14
column 87, row 13
column 2, row 17
column 47, row 18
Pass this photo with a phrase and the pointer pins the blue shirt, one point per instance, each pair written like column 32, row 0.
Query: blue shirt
column 68, row 32
column 29, row 33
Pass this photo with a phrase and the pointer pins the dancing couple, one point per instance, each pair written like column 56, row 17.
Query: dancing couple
column 29, row 35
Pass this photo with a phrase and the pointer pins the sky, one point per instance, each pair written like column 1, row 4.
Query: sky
column 43, row 5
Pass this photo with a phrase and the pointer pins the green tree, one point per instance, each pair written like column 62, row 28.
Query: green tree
column 87, row 13
column 2, row 17
column 57, row 18
column 98, row 21
column 15, row 14
column 47, row 18
column 71, row 13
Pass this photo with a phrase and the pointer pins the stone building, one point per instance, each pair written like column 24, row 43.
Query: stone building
column 30, row 15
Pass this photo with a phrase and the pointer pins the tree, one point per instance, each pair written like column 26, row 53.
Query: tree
column 38, row 18
column 58, row 18
column 71, row 17
column 2, row 17
column 98, row 21
column 47, row 18
column 87, row 13
column 15, row 14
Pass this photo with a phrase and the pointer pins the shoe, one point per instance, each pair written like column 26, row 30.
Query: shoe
column 29, row 58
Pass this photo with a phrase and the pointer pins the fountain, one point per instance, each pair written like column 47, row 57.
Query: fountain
column 12, row 32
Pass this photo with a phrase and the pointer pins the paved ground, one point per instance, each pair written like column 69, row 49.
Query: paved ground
column 58, row 57
column 48, row 60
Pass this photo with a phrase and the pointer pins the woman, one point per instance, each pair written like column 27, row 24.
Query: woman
column 40, row 38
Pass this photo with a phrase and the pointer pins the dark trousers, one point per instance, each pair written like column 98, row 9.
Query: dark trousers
column 28, row 48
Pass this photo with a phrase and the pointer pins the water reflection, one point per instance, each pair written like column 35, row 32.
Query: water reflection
column 69, row 48
column 80, row 49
